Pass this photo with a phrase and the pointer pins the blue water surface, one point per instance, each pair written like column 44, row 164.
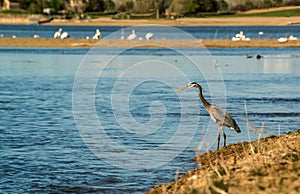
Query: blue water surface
column 198, row 32
column 42, row 149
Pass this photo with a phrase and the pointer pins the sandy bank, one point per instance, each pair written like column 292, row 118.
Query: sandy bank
column 212, row 21
column 224, row 21
column 114, row 43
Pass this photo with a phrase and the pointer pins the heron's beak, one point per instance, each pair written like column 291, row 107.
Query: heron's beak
column 183, row 88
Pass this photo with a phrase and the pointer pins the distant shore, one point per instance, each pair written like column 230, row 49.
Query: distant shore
column 116, row 43
column 210, row 21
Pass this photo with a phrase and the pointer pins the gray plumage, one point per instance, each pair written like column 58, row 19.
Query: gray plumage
column 217, row 114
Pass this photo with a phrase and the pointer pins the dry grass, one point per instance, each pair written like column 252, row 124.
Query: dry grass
column 268, row 165
column 273, row 167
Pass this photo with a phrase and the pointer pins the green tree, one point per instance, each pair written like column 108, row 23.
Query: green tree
column 248, row 5
column 34, row 8
column 56, row 4
column 110, row 5
column 207, row 5
column 129, row 5
column 24, row 4
column 267, row 4
column 222, row 5
column 191, row 7
column 159, row 7
column 294, row 2
column 95, row 5
column 37, row 6
column 278, row 3
column 143, row 6
column 177, row 6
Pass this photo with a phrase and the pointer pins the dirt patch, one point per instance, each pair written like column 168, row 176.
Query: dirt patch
column 268, row 165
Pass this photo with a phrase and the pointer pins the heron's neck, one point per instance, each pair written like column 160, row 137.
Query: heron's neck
column 204, row 102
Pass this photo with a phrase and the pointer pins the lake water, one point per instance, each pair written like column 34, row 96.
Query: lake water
column 110, row 121
column 199, row 32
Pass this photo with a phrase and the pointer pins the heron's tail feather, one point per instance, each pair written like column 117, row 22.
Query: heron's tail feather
column 235, row 127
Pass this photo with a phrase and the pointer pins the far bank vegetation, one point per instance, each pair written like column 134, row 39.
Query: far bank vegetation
column 135, row 9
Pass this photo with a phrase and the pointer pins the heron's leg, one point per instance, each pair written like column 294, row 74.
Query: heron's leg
column 224, row 135
column 219, row 127
column 218, row 140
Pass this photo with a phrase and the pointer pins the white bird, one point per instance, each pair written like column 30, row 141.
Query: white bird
column 235, row 39
column 149, row 36
column 282, row 39
column 64, row 35
column 132, row 36
column 240, row 36
column 97, row 35
column 122, row 34
column 36, row 36
column 57, row 33
column 291, row 37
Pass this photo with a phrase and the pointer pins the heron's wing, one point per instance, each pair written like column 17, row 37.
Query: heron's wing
column 222, row 117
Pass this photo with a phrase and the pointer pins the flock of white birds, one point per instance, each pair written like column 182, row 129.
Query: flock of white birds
column 242, row 37
column 59, row 34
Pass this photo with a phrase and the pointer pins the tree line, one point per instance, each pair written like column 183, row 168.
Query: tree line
column 155, row 7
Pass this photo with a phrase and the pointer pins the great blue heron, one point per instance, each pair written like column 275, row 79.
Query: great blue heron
column 217, row 114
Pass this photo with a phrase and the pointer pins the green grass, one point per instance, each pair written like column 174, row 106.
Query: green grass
column 282, row 13
column 14, row 12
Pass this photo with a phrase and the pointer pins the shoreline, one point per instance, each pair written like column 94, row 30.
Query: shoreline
column 244, row 167
column 155, row 43
column 209, row 21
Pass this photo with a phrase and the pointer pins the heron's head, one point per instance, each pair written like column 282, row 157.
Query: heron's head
column 190, row 85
